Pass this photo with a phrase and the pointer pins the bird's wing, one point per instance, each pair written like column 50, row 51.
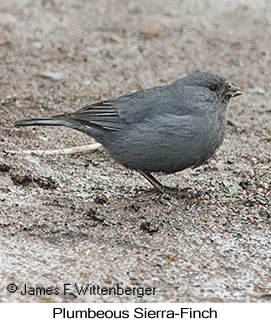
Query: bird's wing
column 115, row 114
column 102, row 115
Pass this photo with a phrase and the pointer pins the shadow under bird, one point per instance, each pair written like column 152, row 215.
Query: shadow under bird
column 163, row 129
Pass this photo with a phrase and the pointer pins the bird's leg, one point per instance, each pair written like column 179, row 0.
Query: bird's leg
column 155, row 183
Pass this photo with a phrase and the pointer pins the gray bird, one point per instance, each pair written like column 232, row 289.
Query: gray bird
column 163, row 129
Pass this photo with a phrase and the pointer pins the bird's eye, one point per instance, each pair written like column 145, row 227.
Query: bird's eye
column 213, row 87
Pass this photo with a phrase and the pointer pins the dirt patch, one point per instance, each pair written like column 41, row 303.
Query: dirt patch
column 83, row 218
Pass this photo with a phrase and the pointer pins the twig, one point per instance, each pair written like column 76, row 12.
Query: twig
column 63, row 151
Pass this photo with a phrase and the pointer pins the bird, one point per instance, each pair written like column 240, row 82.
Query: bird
column 164, row 129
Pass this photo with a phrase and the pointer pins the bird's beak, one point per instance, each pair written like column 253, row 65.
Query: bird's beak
column 233, row 91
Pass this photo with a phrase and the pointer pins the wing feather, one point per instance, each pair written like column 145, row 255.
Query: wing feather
column 102, row 114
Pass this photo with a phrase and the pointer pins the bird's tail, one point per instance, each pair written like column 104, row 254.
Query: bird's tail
column 59, row 120
column 39, row 122
column 65, row 120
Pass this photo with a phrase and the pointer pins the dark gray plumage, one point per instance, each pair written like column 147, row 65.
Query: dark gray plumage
column 162, row 129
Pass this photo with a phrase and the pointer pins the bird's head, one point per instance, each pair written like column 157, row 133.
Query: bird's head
column 213, row 84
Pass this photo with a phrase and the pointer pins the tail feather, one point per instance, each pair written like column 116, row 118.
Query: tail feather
column 66, row 121
column 41, row 122
column 58, row 120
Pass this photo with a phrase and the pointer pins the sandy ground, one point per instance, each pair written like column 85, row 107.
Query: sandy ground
column 83, row 219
